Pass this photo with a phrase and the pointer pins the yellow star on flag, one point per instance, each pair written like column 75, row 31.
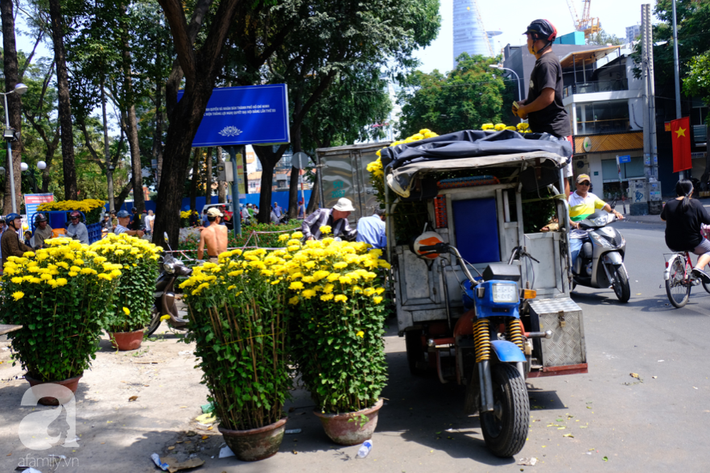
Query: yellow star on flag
column 680, row 132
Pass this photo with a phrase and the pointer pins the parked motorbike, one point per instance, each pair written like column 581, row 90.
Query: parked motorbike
column 171, row 269
column 600, row 262
column 493, row 330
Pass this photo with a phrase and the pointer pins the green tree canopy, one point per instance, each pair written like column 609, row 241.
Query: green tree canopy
column 465, row 98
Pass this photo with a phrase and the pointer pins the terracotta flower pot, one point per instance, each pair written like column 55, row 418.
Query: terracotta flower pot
column 72, row 384
column 255, row 444
column 347, row 429
column 126, row 341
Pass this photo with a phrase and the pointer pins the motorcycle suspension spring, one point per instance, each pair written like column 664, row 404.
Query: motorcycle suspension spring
column 482, row 340
column 515, row 334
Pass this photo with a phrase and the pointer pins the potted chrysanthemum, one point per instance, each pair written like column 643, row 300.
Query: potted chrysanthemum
column 132, row 310
column 238, row 322
column 337, row 325
column 59, row 295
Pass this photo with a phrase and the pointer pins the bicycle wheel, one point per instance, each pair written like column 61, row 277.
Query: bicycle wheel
column 678, row 283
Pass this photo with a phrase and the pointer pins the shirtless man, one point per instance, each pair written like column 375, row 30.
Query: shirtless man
column 214, row 236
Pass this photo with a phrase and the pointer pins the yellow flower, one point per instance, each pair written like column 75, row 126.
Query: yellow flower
column 326, row 297
column 308, row 293
column 297, row 235
column 16, row 280
column 284, row 237
column 325, row 229
column 377, row 299
column 360, row 334
column 340, row 265
column 296, row 285
column 126, row 311
column 293, row 300
column 341, row 298
column 18, row 295
column 164, row 317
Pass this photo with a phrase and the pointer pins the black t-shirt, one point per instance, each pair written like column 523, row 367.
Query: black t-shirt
column 683, row 227
column 553, row 119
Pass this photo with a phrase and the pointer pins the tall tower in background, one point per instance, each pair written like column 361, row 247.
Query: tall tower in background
column 469, row 33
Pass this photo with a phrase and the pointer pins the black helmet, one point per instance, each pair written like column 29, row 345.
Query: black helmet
column 75, row 214
column 542, row 29
column 40, row 218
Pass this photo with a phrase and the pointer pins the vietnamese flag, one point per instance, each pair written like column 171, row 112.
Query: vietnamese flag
column 680, row 131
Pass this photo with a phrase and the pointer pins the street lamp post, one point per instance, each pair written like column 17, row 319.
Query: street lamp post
column 9, row 135
column 517, row 79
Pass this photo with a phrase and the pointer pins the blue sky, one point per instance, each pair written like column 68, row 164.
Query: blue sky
column 614, row 15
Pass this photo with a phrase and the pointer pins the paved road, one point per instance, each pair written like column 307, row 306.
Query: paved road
column 658, row 422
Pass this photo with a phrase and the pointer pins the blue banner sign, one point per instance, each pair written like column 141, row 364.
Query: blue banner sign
column 624, row 159
column 254, row 114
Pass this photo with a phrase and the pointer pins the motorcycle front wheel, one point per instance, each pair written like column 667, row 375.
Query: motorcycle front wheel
column 622, row 289
column 154, row 323
column 506, row 428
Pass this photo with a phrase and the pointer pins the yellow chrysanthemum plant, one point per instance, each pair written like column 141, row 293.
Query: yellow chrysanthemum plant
column 522, row 127
column 59, row 295
column 139, row 259
column 91, row 208
column 317, row 304
column 185, row 217
column 408, row 216
column 238, row 321
column 337, row 324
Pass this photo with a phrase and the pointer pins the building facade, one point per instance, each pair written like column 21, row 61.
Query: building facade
column 469, row 34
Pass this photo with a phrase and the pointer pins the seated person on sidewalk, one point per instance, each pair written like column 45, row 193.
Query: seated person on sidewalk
column 336, row 218
column 683, row 217
column 582, row 204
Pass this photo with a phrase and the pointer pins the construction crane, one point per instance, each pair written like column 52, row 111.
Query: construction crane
column 587, row 24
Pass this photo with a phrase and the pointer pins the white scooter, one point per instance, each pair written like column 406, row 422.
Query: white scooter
column 600, row 262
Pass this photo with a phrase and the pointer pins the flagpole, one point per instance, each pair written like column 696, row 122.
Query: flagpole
column 676, row 67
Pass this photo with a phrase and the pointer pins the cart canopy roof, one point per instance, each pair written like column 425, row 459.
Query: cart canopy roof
column 469, row 149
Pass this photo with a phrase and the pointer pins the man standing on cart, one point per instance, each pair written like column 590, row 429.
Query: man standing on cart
column 544, row 108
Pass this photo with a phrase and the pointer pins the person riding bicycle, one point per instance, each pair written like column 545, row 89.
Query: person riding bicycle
column 683, row 217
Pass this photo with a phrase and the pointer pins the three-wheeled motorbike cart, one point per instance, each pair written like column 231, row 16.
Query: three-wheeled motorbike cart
column 481, row 282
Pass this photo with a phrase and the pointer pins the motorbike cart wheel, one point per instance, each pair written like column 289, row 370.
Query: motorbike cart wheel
column 416, row 357
column 154, row 323
column 506, row 428
column 622, row 289
column 677, row 284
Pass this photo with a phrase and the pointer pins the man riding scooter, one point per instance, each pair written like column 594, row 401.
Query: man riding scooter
column 583, row 203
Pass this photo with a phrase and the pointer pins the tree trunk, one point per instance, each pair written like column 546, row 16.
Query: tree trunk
column 208, row 176
column 12, row 77
column 222, row 185
column 200, row 69
column 293, row 183
column 125, row 190
column 131, row 120
column 313, row 202
column 65, row 118
column 268, row 158
column 195, row 178
column 157, row 151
